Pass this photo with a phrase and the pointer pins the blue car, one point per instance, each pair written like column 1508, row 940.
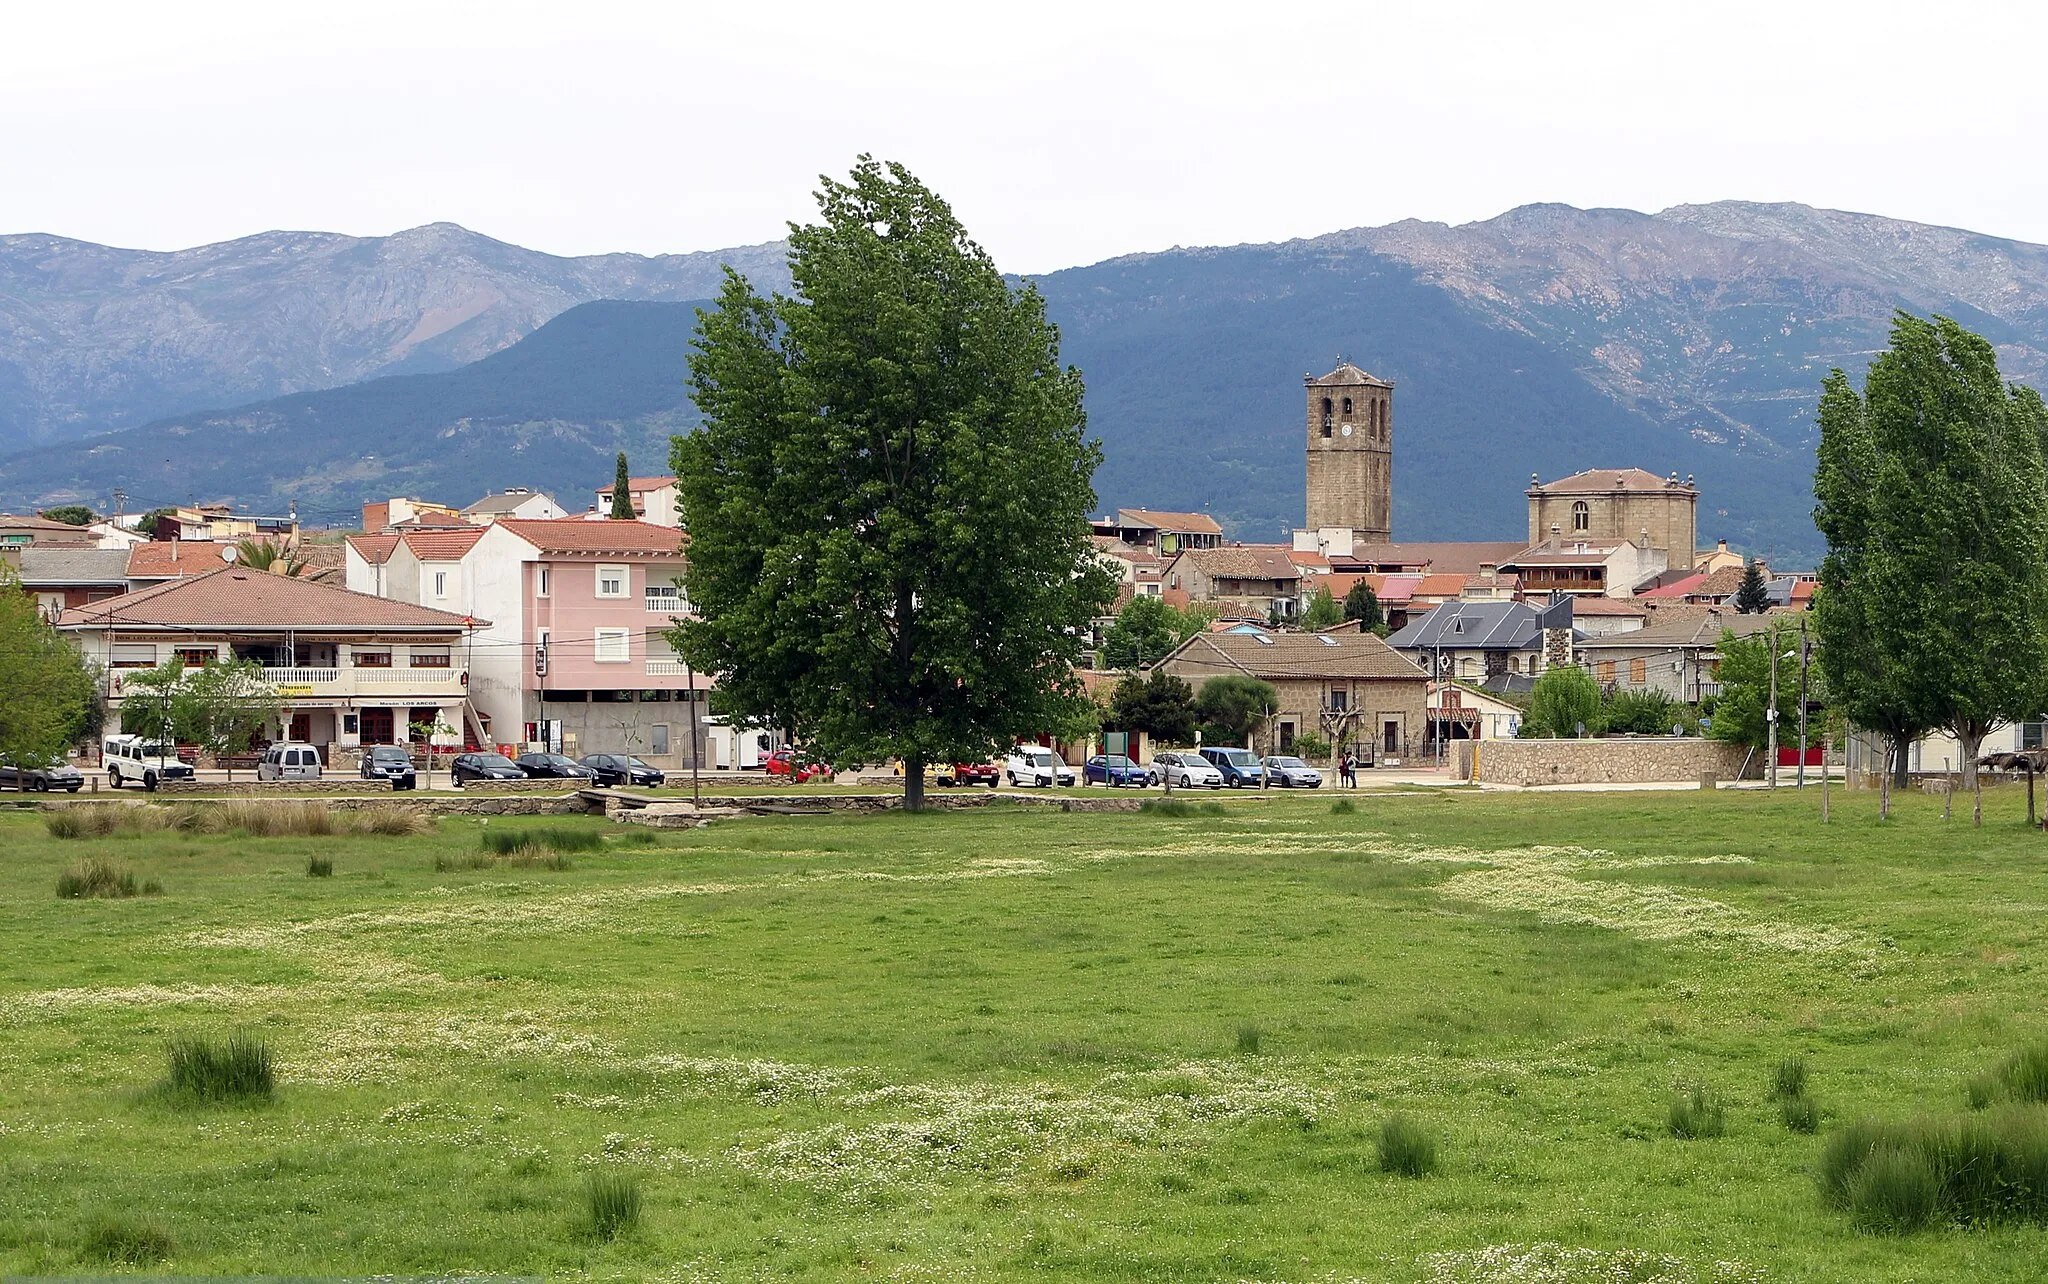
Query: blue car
column 1241, row 768
column 1114, row 770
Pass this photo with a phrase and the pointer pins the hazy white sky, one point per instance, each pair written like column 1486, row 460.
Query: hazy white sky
column 1062, row 132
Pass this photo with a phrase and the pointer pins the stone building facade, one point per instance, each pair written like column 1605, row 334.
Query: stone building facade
column 1618, row 504
column 1351, row 453
column 1350, row 688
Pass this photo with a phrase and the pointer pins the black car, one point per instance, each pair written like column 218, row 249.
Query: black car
column 392, row 763
column 41, row 776
column 484, row 766
column 612, row 769
column 552, row 766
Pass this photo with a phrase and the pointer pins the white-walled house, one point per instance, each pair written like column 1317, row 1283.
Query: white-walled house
column 513, row 502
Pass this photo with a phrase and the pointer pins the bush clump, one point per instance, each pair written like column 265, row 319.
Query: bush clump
column 266, row 819
column 1694, row 1113
column 2023, row 1076
column 1800, row 1114
column 98, row 877
column 613, row 1203
column 237, row 1068
column 1343, row 807
column 319, row 867
column 125, row 1242
column 1249, row 1038
column 1406, row 1147
column 1178, row 809
column 1980, row 1168
column 1788, row 1081
column 520, row 842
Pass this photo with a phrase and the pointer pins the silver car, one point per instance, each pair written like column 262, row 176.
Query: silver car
column 1289, row 772
column 1186, row 771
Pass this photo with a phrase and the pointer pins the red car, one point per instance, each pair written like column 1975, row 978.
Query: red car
column 977, row 773
column 797, row 767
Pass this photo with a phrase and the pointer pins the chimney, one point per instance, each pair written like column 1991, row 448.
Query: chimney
column 1720, row 546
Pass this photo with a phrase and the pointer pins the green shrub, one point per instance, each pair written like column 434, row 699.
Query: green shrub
column 2023, row 1076
column 1249, row 1037
column 1789, row 1080
column 1801, row 1114
column 633, row 837
column 1406, row 1147
column 1694, row 1113
column 613, row 1202
column 1172, row 807
column 121, row 1241
column 235, row 1069
column 319, row 867
column 96, row 877
column 1311, row 747
column 1990, row 1166
column 517, row 842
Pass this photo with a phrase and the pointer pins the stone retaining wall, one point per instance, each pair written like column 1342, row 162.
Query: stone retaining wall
column 1644, row 760
column 535, row 786
column 272, row 788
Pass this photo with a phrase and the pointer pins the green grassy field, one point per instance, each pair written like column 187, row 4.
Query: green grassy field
column 1016, row 1044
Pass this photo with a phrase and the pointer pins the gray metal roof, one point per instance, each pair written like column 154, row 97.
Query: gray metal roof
column 50, row 567
column 1482, row 626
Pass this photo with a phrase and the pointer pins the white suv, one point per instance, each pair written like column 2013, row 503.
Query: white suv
column 144, row 762
column 1036, row 765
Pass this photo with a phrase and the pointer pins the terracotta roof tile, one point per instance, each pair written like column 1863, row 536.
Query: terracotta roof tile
column 1599, row 481
column 1293, row 655
column 1452, row 557
column 1181, row 523
column 374, row 549
column 442, row 546
column 575, row 535
column 1269, row 563
column 235, row 597
column 163, row 559
column 1610, row 606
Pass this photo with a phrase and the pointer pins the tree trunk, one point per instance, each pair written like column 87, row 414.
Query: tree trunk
column 913, row 781
column 1884, row 785
column 1971, row 737
column 1900, row 760
column 2030, row 796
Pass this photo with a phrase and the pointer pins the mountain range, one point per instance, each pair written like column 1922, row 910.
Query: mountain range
column 1543, row 341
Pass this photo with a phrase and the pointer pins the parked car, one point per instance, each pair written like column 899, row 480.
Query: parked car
column 1186, row 771
column 977, row 773
column 1290, row 772
column 289, row 760
column 483, row 766
column 392, row 763
column 613, row 769
column 801, row 768
column 146, row 762
column 1114, row 769
column 1240, row 768
column 42, row 775
column 553, row 766
column 1036, row 765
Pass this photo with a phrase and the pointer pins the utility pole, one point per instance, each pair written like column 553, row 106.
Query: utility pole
column 1771, row 713
column 1803, row 656
column 696, row 745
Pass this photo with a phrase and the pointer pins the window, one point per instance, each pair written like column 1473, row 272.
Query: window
column 2030, row 734
column 665, row 599
column 1347, row 407
column 1339, row 700
column 541, row 583
column 373, row 659
column 1326, row 416
column 1605, row 670
column 430, row 657
column 614, row 646
column 657, row 738
column 1582, row 517
column 612, row 581
column 440, row 584
column 133, row 655
column 197, row 657
column 1638, row 671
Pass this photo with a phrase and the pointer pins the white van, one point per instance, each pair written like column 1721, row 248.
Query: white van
column 289, row 760
column 131, row 758
column 1036, row 765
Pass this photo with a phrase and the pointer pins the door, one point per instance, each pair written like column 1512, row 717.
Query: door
column 378, row 727
column 302, row 727
column 1391, row 737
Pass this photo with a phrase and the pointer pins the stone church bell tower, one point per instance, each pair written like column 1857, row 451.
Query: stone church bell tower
column 1351, row 453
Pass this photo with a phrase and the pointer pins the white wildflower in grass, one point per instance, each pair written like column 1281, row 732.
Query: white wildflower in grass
column 1556, row 1264
column 230, row 995
column 620, row 1149
column 769, row 1082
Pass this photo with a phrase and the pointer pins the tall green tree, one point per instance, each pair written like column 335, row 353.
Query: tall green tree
column 622, row 491
column 888, row 498
column 70, row 514
column 1323, row 611
column 46, row 689
column 1363, row 605
column 1144, row 632
column 1562, row 701
column 1952, row 569
column 154, row 702
column 1234, row 708
column 1753, row 597
column 225, row 704
column 1741, row 710
column 1160, row 705
column 1867, row 678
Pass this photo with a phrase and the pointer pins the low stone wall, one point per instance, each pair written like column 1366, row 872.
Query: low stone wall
column 273, row 788
column 1634, row 761
column 418, row 804
column 536, row 786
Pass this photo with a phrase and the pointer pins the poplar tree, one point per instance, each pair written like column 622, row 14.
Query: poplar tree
column 622, row 491
column 887, row 501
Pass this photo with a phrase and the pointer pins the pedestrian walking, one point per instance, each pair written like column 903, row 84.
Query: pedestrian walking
column 1346, row 773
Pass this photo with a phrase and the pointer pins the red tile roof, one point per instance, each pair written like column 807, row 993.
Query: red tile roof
column 1242, row 562
column 575, row 535
column 1452, row 556
column 1676, row 589
column 1599, row 481
column 426, row 519
column 374, row 549
column 442, row 546
column 1179, row 523
column 231, row 597
column 165, row 559
column 639, row 485
column 1616, row 606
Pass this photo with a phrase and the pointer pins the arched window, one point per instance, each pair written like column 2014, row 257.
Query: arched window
column 1347, row 407
column 1582, row 517
column 1326, row 416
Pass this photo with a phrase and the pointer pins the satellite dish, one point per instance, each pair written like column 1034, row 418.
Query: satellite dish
column 229, row 554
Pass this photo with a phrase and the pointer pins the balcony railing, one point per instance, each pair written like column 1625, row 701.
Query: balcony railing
column 303, row 680
column 666, row 603
column 665, row 669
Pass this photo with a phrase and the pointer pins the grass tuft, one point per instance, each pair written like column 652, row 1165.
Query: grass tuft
column 96, row 877
column 1406, row 1147
column 1694, row 1113
column 1249, row 1037
column 319, row 867
column 1894, row 1190
column 1986, row 1167
column 237, row 1068
column 1801, row 1114
column 523, row 842
column 258, row 819
column 125, row 1242
column 1788, row 1081
column 2023, row 1076
column 613, row 1203
column 1343, row 807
